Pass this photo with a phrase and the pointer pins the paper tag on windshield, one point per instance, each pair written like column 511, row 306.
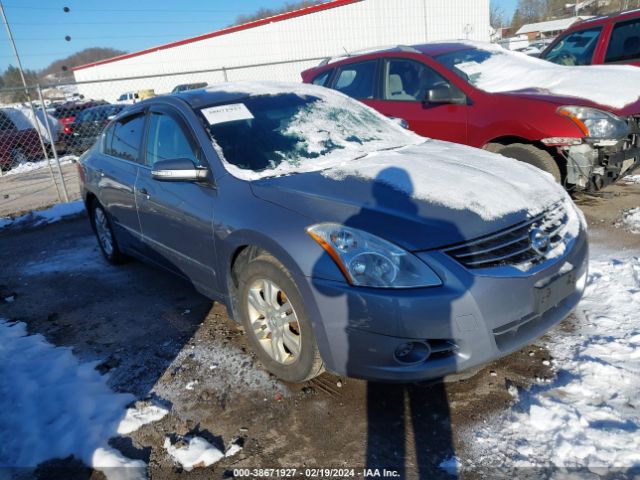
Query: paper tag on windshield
column 470, row 68
column 226, row 113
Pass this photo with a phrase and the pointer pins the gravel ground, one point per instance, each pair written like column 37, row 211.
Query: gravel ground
column 157, row 338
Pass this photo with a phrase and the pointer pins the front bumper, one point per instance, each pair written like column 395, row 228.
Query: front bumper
column 486, row 316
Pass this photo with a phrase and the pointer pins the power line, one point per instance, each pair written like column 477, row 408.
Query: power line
column 110, row 10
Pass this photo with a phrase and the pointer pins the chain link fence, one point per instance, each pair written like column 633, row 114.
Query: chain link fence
column 45, row 128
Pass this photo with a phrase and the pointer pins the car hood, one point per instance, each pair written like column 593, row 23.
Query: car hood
column 419, row 197
column 548, row 97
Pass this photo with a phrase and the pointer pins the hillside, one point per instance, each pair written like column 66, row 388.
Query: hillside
column 60, row 70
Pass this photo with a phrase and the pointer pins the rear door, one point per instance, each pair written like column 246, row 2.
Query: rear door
column 117, row 168
column 176, row 216
column 404, row 87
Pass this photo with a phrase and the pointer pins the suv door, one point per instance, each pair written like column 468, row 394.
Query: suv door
column 405, row 86
column 117, row 167
column 624, row 43
column 176, row 216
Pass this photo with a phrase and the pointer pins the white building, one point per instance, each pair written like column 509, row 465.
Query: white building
column 550, row 28
column 327, row 29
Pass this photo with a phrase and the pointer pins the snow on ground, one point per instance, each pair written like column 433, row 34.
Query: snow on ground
column 37, row 165
column 631, row 220
column 53, row 406
column 631, row 179
column 38, row 218
column 135, row 418
column 192, row 452
column 589, row 416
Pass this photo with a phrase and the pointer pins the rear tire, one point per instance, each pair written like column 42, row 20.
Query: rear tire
column 528, row 154
column 276, row 322
column 104, row 233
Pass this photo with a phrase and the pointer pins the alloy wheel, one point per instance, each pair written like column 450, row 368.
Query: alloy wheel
column 103, row 231
column 274, row 321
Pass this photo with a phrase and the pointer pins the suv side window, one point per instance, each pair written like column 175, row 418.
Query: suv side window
column 168, row 139
column 124, row 138
column 576, row 48
column 624, row 43
column 357, row 79
column 408, row 80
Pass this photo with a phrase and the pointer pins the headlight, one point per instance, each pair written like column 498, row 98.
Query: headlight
column 369, row 261
column 595, row 123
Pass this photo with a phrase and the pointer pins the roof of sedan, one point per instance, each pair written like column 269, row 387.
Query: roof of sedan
column 234, row 91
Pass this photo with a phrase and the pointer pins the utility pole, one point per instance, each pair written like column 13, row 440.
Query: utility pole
column 26, row 91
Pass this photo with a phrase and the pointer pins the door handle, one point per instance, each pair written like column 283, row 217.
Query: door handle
column 101, row 172
column 143, row 191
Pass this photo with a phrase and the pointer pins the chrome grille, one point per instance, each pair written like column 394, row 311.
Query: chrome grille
column 518, row 245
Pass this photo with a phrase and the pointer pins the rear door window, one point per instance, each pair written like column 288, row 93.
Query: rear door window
column 357, row 79
column 624, row 44
column 576, row 48
column 124, row 137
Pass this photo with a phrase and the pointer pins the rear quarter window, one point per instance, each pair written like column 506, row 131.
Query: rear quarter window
column 357, row 79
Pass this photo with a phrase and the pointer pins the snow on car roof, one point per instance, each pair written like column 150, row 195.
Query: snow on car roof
column 615, row 86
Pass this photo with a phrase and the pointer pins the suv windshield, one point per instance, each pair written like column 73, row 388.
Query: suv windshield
column 289, row 133
column 576, row 48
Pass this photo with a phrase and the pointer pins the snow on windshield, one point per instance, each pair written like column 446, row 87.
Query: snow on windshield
column 282, row 129
column 493, row 69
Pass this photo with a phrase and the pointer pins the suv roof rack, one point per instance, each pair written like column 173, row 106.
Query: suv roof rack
column 402, row 48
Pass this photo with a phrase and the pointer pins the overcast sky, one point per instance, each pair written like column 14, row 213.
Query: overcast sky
column 40, row 26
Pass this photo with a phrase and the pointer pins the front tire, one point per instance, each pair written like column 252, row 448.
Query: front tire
column 276, row 322
column 104, row 233
column 528, row 154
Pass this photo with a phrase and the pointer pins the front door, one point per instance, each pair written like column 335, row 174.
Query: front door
column 176, row 217
column 405, row 84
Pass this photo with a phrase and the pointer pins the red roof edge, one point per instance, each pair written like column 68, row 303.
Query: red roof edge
column 236, row 28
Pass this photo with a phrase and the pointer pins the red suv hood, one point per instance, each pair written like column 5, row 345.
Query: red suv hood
column 544, row 96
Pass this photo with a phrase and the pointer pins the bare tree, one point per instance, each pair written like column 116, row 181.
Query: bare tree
column 496, row 15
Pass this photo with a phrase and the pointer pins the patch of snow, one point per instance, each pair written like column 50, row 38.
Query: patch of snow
column 459, row 177
column 196, row 453
column 631, row 220
column 631, row 179
column 52, row 406
column 191, row 385
column 37, row 165
column 137, row 417
column 508, row 71
column 38, row 218
column 589, row 416
column 116, row 466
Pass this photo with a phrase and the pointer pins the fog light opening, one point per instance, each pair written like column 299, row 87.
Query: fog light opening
column 411, row 353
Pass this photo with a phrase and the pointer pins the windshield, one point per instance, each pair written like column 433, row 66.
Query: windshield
column 287, row 133
column 467, row 63
column 576, row 48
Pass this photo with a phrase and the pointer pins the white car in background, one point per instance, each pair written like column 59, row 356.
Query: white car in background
column 128, row 98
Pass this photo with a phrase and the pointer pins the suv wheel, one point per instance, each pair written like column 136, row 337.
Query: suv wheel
column 104, row 233
column 528, row 154
column 274, row 317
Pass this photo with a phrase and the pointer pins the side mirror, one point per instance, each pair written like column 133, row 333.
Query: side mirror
column 444, row 94
column 178, row 170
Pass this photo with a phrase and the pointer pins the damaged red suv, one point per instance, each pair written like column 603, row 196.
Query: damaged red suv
column 580, row 124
